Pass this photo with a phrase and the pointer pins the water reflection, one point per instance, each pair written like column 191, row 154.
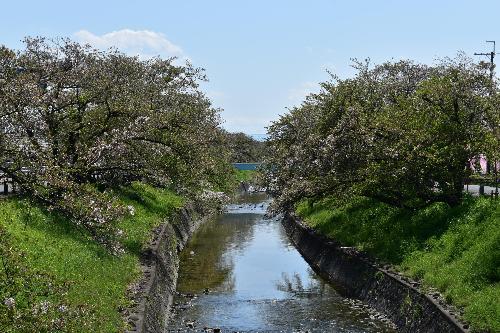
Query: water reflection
column 290, row 285
column 207, row 261
column 241, row 273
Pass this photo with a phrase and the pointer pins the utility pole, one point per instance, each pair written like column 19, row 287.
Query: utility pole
column 492, row 67
column 492, row 60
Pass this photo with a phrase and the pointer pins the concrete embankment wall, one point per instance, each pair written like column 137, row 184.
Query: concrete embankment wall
column 360, row 277
column 154, row 293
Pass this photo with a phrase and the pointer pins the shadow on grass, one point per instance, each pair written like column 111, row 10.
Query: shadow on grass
column 386, row 232
column 152, row 207
column 147, row 199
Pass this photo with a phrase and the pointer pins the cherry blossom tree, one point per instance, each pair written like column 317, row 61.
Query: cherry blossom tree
column 75, row 121
column 400, row 132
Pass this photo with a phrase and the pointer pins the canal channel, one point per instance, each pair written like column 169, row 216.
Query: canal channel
column 240, row 273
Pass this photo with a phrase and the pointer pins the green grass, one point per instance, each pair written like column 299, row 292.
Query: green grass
column 456, row 250
column 245, row 175
column 54, row 246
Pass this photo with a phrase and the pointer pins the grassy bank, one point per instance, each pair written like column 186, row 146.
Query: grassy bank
column 245, row 175
column 453, row 249
column 53, row 262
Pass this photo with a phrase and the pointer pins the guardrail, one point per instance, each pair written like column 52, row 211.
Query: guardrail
column 478, row 190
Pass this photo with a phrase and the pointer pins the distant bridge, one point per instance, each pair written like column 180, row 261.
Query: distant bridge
column 247, row 166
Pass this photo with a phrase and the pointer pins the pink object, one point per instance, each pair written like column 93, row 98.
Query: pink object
column 483, row 161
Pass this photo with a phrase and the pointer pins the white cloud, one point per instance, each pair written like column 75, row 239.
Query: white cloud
column 144, row 43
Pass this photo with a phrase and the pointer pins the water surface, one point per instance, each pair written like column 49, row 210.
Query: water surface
column 240, row 273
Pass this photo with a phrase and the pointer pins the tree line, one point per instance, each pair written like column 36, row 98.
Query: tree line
column 403, row 133
column 245, row 149
column 76, row 121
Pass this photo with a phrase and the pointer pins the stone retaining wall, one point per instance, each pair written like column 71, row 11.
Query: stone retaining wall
column 379, row 286
column 154, row 293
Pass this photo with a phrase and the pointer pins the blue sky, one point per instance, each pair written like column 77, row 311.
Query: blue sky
column 263, row 56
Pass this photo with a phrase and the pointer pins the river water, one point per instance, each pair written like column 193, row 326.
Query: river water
column 240, row 273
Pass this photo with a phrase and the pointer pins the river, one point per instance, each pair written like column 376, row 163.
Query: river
column 240, row 273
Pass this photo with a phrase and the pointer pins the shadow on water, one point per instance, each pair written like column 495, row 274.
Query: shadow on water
column 240, row 273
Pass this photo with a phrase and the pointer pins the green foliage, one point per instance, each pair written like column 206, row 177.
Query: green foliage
column 244, row 149
column 81, row 274
column 75, row 119
column 402, row 133
column 487, row 180
column 455, row 249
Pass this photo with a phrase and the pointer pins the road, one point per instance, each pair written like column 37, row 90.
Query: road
column 474, row 189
